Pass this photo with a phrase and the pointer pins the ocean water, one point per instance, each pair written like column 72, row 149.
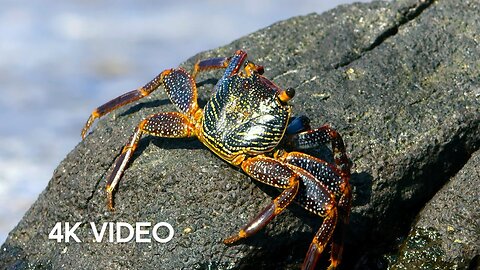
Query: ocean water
column 61, row 59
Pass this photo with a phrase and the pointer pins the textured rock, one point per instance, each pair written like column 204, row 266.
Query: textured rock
column 400, row 82
column 447, row 233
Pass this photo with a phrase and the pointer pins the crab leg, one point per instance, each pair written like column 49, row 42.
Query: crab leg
column 338, row 184
column 181, row 90
column 209, row 64
column 344, row 206
column 167, row 125
column 298, row 184
column 321, row 238
column 272, row 172
column 177, row 79
column 124, row 99
column 316, row 137
column 232, row 64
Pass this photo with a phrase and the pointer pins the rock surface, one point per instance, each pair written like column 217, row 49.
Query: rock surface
column 400, row 82
column 447, row 233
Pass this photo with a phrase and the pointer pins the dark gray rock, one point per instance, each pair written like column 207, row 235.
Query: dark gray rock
column 447, row 233
column 399, row 81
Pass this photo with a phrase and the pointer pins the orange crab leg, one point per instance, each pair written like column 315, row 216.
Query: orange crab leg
column 181, row 90
column 231, row 64
column 315, row 137
column 321, row 238
column 210, row 64
column 167, row 125
column 313, row 195
column 338, row 184
column 175, row 79
column 183, row 85
column 124, row 99
column 344, row 206
column 321, row 183
column 272, row 172
column 328, row 174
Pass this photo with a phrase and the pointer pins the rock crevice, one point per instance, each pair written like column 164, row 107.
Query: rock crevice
column 405, row 15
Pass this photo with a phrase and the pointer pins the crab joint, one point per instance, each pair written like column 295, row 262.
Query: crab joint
column 286, row 94
column 251, row 68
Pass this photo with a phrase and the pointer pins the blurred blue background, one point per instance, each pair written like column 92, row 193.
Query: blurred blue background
column 61, row 59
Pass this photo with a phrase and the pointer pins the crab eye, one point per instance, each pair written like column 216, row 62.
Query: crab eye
column 286, row 95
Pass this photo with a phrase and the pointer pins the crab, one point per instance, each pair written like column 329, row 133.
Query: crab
column 248, row 124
